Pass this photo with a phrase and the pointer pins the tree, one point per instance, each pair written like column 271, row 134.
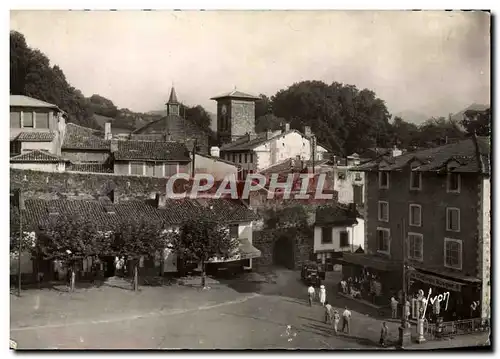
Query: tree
column 439, row 131
column 263, row 106
column 478, row 122
column 69, row 239
column 134, row 238
column 201, row 239
column 268, row 122
column 405, row 134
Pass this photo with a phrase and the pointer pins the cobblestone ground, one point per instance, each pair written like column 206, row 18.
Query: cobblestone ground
column 249, row 313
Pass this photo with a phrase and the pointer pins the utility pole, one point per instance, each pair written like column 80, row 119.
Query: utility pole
column 404, row 332
column 21, row 207
column 313, row 140
column 194, row 157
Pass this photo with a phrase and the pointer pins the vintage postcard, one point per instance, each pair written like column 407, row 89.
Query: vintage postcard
column 250, row 180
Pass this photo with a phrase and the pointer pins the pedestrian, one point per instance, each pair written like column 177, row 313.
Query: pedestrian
column 322, row 295
column 394, row 307
column 407, row 310
column 310, row 292
column 328, row 313
column 343, row 284
column 336, row 320
column 383, row 334
column 346, row 317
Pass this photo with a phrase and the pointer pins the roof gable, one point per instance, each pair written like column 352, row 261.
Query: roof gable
column 37, row 156
column 25, row 101
column 236, row 94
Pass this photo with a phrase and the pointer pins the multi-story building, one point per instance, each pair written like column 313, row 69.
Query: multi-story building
column 431, row 208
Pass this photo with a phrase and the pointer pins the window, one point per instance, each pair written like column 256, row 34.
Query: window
column 27, row 119
column 251, row 157
column 415, row 215
column 137, row 168
column 383, row 239
column 341, row 175
column 239, row 158
column 383, row 211
column 233, row 230
column 326, row 235
column 357, row 176
column 453, row 183
column 246, row 157
column 42, row 120
column 15, row 147
column 234, row 157
column 453, row 253
column 383, row 180
column 15, row 119
column 344, row 239
column 416, row 180
column 170, row 169
column 415, row 246
column 358, row 195
column 453, row 219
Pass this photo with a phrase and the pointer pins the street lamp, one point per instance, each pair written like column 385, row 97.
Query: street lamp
column 404, row 332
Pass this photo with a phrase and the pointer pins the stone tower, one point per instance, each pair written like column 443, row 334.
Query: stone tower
column 235, row 115
column 173, row 106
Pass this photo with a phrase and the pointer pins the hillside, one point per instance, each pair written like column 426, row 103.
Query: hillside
column 475, row 107
column 410, row 116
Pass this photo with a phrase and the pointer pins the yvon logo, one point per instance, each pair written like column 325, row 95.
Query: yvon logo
column 440, row 298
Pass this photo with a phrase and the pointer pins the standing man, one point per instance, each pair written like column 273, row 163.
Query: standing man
column 328, row 313
column 311, row 292
column 346, row 316
column 394, row 307
column 383, row 334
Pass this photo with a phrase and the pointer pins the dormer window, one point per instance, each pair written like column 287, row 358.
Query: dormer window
column 416, row 180
column 383, row 180
column 453, row 183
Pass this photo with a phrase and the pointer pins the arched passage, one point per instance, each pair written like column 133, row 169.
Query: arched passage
column 284, row 252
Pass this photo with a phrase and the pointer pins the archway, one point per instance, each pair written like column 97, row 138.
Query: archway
column 284, row 252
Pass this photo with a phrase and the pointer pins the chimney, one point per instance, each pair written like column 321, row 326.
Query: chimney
column 160, row 201
column 215, row 151
column 286, row 128
column 396, row 152
column 114, row 145
column 107, row 131
column 251, row 136
column 307, row 131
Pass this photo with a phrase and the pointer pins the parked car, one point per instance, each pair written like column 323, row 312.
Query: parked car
column 312, row 273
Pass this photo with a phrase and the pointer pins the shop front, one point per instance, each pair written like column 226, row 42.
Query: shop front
column 449, row 298
column 328, row 259
column 375, row 278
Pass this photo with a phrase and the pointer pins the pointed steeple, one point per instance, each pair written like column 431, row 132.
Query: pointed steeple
column 173, row 97
column 173, row 105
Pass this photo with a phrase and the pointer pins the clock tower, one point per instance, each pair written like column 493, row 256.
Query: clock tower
column 235, row 115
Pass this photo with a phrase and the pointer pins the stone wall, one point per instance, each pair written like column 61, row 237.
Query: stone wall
column 242, row 118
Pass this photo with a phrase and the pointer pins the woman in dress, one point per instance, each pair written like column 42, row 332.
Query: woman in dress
column 322, row 295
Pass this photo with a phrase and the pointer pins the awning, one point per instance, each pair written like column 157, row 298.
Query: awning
column 247, row 250
column 371, row 261
column 436, row 281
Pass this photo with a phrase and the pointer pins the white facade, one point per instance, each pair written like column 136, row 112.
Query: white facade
column 485, row 249
column 217, row 168
column 355, row 235
column 284, row 146
column 37, row 166
column 345, row 183
column 170, row 257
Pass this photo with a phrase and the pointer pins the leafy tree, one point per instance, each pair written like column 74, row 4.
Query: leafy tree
column 268, row 122
column 136, row 238
column 405, row 134
column 70, row 239
column 103, row 106
column 201, row 239
column 478, row 122
column 263, row 106
column 439, row 131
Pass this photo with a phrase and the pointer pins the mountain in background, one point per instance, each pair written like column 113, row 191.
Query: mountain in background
column 414, row 117
column 474, row 107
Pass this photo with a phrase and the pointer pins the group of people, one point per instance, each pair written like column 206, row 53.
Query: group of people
column 332, row 316
column 367, row 286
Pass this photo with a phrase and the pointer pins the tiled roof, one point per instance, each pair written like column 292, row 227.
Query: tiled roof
column 79, row 137
column 25, row 101
column 236, row 94
column 175, row 212
column 37, row 156
column 288, row 165
column 173, row 97
column 335, row 215
column 152, row 150
column 36, row 136
column 89, row 167
column 468, row 154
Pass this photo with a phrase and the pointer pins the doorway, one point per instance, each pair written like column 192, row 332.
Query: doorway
column 284, row 253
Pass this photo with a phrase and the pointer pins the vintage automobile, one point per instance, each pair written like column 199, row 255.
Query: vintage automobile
column 312, row 273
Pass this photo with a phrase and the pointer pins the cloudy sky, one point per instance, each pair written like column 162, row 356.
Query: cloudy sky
column 430, row 62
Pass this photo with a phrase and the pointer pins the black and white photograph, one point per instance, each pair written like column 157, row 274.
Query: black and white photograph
column 250, row 180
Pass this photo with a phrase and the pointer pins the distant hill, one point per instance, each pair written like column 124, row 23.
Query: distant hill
column 475, row 107
column 412, row 116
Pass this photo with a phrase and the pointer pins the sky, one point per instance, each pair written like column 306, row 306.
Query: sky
column 432, row 62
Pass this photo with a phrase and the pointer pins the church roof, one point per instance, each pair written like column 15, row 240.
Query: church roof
column 173, row 97
column 236, row 94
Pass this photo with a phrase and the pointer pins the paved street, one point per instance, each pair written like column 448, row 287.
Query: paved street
column 232, row 315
